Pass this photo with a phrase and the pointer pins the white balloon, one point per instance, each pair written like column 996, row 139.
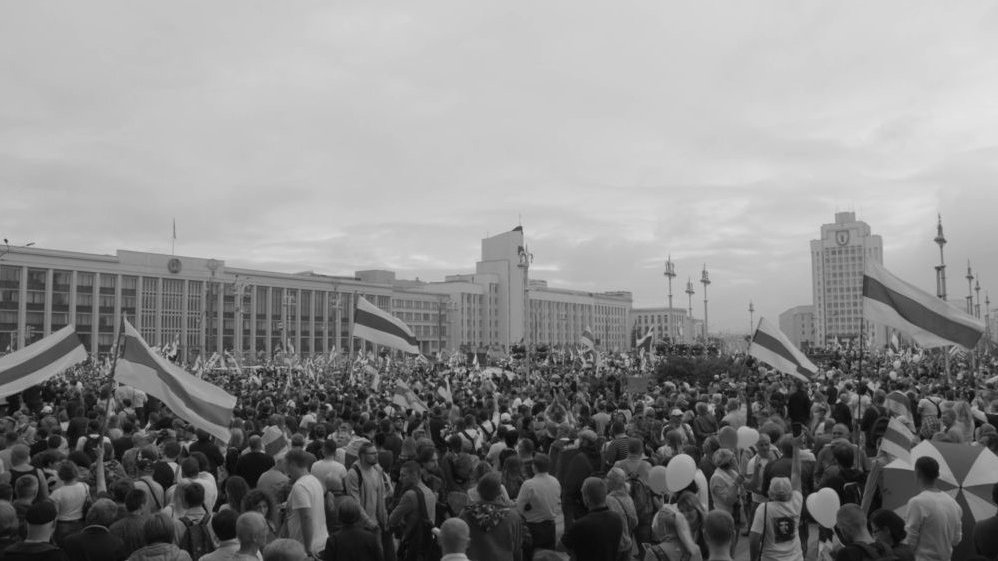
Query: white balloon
column 824, row 506
column 657, row 480
column 747, row 437
column 679, row 473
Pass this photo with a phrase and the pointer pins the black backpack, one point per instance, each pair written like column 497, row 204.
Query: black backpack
column 418, row 543
column 197, row 538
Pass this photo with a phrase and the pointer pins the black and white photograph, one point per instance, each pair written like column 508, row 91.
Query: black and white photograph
column 498, row 281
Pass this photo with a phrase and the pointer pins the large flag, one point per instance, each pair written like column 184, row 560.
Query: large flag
column 897, row 440
column 644, row 343
column 40, row 361
column 203, row 405
column 929, row 320
column 771, row 346
column 381, row 328
column 587, row 340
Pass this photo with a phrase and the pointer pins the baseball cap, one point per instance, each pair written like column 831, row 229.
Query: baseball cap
column 41, row 513
column 676, row 413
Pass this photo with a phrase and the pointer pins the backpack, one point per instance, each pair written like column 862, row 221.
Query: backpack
column 852, row 492
column 642, row 496
column 196, row 539
column 418, row 543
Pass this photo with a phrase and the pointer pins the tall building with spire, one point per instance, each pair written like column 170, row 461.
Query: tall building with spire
column 838, row 259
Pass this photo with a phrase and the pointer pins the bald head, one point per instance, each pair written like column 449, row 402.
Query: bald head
column 454, row 536
column 251, row 528
column 594, row 492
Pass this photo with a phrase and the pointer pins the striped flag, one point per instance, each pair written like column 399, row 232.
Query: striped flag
column 771, row 346
column 40, row 361
column 898, row 404
column 929, row 320
column 644, row 343
column 203, row 405
column 373, row 324
column 897, row 440
column 406, row 398
column 587, row 340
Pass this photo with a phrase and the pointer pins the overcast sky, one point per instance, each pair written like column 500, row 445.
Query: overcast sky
column 307, row 135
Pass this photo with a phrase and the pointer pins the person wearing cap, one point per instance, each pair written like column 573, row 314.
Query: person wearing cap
column 676, row 424
column 36, row 545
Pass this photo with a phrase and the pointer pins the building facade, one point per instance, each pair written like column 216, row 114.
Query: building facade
column 797, row 324
column 838, row 259
column 667, row 320
column 206, row 306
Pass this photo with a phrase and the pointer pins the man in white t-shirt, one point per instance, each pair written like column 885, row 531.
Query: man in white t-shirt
column 774, row 526
column 935, row 520
column 328, row 471
column 306, row 504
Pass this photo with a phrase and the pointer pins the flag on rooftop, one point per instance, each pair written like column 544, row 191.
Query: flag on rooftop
column 381, row 328
column 200, row 403
column 897, row 440
column 771, row 346
column 930, row 321
column 644, row 343
column 40, row 361
column 587, row 340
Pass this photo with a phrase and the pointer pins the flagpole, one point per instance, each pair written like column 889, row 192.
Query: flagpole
column 118, row 349
column 859, row 374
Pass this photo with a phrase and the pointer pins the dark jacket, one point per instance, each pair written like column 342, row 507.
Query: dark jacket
column 95, row 542
column 595, row 536
column 353, row 543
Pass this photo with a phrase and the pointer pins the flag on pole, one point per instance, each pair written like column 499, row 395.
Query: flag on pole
column 587, row 339
column 203, row 405
column 897, row 440
column 406, row 398
column 895, row 343
column 40, row 361
column 381, row 328
column 771, row 346
column 445, row 391
column 930, row 321
column 644, row 343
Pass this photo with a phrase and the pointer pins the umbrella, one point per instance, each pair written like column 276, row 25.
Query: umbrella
column 967, row 473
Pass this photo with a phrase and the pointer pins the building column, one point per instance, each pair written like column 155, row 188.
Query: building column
column 270, row 321
column 117, row 308
column 252, row 315
column 158, row 334
column 72, row 299
column 203, row 323
column 22, row 308
column 95, row 313
column 220, row 317
column 184, row 311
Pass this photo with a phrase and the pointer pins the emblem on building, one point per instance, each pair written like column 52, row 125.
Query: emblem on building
column 173, row 265
column 842, row 237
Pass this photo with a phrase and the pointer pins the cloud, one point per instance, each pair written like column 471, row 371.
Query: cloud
column 338, row 137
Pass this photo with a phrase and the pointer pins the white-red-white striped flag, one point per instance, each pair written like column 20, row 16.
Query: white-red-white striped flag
column 897, row 440
column 40, row 361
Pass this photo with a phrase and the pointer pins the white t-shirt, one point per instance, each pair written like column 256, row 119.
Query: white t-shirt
column 308, row 493
column 330, row 473
column 780, row 541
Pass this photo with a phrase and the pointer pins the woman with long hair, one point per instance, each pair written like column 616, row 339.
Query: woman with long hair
column 512, row 475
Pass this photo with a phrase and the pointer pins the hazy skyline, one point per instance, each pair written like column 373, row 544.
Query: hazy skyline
column 307, row 136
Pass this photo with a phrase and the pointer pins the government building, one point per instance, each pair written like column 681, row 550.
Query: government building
column 204, row 305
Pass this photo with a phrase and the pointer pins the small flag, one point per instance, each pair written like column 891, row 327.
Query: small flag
column 897, row 440
column 771, row 346
column 895, row 344
column 587, row 339
column 381, row 328
column 931, row 322
column 406, row 398
column 40, row 361
column 445, row 391
column 204, row 405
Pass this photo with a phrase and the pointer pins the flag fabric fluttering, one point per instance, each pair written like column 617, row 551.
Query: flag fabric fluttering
column 445, row 391
column 930, row 321
column 406, row 398
column 771, row 346
column 587, row 340
column 40, row 361
column 644, row 343
column 897, row 440
column 200, row 403
column 381, row 328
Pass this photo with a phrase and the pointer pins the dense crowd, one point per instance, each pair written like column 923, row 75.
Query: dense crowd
column 510, row 462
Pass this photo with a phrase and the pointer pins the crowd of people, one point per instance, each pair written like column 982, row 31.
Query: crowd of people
column 509, row 463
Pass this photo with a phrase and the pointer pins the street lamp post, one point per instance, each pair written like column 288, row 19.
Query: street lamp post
column 705, row 280
column 970, row 290
column 977, row 290
column 751, row 317
column 940, row 240
column 670, row 273
column 526, row 258
column 689, row 293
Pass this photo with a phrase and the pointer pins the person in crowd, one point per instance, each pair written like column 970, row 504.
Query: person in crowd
column 774, row 530
column 853, row 532
column 252, row 533
column 365, row 483
column 254, row 463
column 582, row 466
column 596, row 535
column 37, row 546
column 719, row 533
column 95, row 541
column 539, row 502
column 71, row 498
column 160, row 537
column 223, row 525
column 497, row 530
column 935, row 520
column 352, row 542
column 887, row 527
column 620, row 502
column 306, row 515
column 455, row 535
column 726, row 488
column 285, row 549
column 130, row 528
column 986, row 531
